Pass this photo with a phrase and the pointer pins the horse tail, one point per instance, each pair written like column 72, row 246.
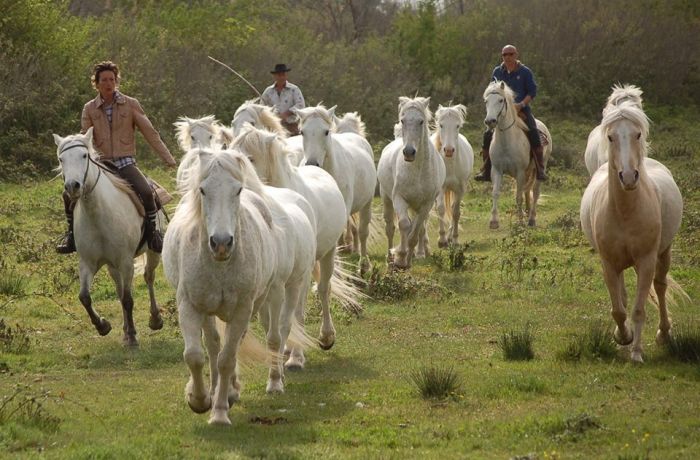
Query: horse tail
column 252, row 352
column 298, row 338
column 675, row 294
column 449, row 198
column 344, row 287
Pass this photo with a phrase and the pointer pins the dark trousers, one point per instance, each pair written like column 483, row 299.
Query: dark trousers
column 532, row 135
column 138, row 182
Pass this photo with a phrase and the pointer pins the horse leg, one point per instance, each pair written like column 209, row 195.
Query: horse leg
column 191, row 322
column 440, row 204
column 363, row 234
column 353, row 234
column 496, row 178
column 615, row 281
column 645, row 276
column 327, row 337
column 345, row 240
column 123, row 283
column 227, row 364
column 532, row 220
column 418, row 231
column 212, row 342
column 155, row 322
column 272, row 310
column 423, row 243
column 389, row 226
column 456, row 214
column 519, row 192
column 295, row 298
column 663, row 335
column 87, row 274
column 403, row 254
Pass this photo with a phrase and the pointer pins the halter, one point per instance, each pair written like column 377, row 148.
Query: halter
column 87, row 167
column 503, row 107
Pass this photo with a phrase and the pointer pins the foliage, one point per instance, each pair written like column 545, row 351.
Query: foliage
column 436, row 382
column 16, row 341
column 684, row 344
column 455, row 258
column 517, row 345
column 27, row 406
column 595, row 343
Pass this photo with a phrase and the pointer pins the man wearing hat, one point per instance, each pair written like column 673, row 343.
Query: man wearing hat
column 284, row 96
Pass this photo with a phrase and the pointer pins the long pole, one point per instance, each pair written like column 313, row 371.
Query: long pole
column 238, row 75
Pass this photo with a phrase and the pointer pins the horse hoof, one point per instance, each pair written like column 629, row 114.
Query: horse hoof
column 219, row 417
column 155, row 323
column 531, row 223
column 130, row 341
column 443, row 244
column 234, row 395
column 663, row 337
column 103, row 327
column 637, row 357
column 274, row 386
column 199, row 406
column 623, row 340
column 364, row 267
column 294, row 364
column 493, row 225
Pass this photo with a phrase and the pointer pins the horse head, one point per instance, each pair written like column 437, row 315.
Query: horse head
column 196, row 133
column 316, row 125
column 258, row 115
column 75, row 153
column 414, row 117
column 626, row 128
column 497, row 98
column 260, row 147
column 449, row 120
column 623, row 93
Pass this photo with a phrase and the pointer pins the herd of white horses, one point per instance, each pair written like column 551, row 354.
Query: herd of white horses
column 262, row 214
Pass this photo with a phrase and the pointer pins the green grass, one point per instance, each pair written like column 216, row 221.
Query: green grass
column 355, row 400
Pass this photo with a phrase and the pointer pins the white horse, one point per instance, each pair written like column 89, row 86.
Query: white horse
column 234, row 248
column 411, row 175
column 630, row 212
column 195, row 133
column 458, row 156
column 271, row 159
column 264, row 117
column 347, row 157
column 596, row 155
column 510, row 151
column 350, row 122
column 107, row 229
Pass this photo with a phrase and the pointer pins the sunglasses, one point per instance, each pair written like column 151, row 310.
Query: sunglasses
column 507, row 54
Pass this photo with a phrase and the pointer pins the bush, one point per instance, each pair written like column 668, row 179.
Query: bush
column 595, row 343
column 517, row 345
column 436, row 382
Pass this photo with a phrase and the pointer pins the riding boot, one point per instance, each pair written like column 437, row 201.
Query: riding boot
column 539, row 163
column 67, row 244
column 485, row 173
column 153, row 236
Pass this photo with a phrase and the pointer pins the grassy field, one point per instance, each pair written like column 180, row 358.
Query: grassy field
column 68, row 393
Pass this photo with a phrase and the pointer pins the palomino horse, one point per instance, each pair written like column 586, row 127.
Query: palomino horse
column 107, row 228
column 458, row 156
column 630, row 212
column 234, row 248
column 347, row 157
column 271, row 158
column 264, row 117
column 510, row 151
column 411, row 175
column 595, row 155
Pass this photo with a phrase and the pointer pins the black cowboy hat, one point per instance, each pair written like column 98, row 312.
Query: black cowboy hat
column 279, row 68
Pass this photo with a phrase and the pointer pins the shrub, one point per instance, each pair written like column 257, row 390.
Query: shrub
column 517, row 345
column 685, row 343
column 595, row 343
column 436, row 382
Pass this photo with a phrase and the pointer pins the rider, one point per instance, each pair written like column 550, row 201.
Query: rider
column 114, row 117
column 520, row 79
column 284, row 96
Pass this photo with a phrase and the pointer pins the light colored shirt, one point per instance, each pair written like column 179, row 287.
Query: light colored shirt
column 289, row 97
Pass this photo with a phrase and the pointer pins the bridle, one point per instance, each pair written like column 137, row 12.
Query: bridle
column 86, row 192
column 503, row 107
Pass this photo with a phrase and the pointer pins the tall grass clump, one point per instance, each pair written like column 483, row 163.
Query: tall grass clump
column 11, row 283
column 436, row 382
column 26, row 406
column 13, row 341
column 685, row 343
column 517, row 345
column 595, row 343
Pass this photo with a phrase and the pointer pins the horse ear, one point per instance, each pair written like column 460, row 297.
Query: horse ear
column 440, row 107
column 331, row 111
column 503, row 85
column 88, row 135
column 57, row 139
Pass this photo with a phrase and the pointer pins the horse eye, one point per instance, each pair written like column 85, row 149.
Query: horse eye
column 441, row 125
column 610, row 138
column 301, row 132
column 327, row 132
column 201, row 190
column 192, row 137
column 239, row 191
column 421, row 122
column 639, row 136
column 252, row 123
column 85, row 154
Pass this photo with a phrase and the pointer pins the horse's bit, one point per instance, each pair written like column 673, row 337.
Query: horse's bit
column 503, row 107
column 87, row 168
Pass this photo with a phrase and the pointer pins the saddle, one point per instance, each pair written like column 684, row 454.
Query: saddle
column 544, row 140
column 160, row 194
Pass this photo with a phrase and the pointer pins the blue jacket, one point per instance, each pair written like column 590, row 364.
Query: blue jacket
column 521, row 80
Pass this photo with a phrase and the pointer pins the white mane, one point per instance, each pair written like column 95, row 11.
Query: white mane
column 504, row 90
column 184, row 127
column 622, row 93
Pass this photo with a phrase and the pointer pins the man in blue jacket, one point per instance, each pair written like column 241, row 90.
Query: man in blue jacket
column 520, row 79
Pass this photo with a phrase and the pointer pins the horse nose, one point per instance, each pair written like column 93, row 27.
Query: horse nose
column 72, row 186
column 220, row 245
column 629, row 179
column 490, row 122
column 311, row 162
column 409, row 153
column 449, row 151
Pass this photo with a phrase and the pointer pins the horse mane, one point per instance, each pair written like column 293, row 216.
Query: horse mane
column 350, row 122
column 267, row 117
column 621, row 93
column 321, row 112
column 459, row 110
column 418, row 103
column 509, row 95
column 628, row 110
column 275, row 154
column 184, row 126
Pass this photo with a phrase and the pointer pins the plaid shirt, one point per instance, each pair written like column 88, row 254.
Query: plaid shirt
column 124, row 161
column 121, row 161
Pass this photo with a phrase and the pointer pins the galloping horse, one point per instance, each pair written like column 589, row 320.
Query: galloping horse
column 596, row 155
column 271, row 158
column 195, row 133
column 630, row 212
column 411, row 175
column 235, row 248
column 107, row 230
column 458, row 155
column 347, row 157
column 510, row 151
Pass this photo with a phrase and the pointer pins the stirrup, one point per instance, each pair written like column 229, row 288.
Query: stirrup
column 155, row 242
